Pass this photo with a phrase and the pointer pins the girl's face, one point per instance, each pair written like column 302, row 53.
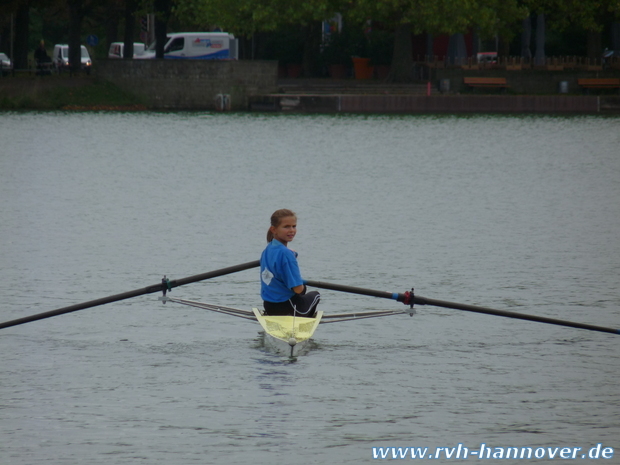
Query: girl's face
column 286, row 230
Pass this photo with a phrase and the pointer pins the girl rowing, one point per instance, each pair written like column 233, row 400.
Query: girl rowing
column 282, row 289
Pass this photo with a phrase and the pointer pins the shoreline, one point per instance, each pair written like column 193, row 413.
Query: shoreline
column 89, row 93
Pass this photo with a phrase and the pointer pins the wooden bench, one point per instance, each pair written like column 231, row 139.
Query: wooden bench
column 599, row 83
column 492, row 82
column 485, row 82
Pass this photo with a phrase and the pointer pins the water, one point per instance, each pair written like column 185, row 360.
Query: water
column 517, row 213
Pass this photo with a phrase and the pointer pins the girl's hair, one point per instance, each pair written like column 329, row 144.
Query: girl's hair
column 276, row 219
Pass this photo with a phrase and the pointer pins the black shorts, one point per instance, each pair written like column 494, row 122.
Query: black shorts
column 299, row 305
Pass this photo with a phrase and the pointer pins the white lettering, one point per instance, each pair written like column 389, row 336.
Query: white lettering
column 595, row 451
column 399, row 452
column 465, row 453
column 380, row 452
column 461, row 452
column 418, row 452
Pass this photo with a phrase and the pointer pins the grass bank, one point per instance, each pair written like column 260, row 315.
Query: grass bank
column 59, row 92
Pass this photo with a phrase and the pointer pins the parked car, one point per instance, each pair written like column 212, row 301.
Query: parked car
column 5, row 63
column 610, row 56
column 486, row 57
column 117, row 48
column 60, row 58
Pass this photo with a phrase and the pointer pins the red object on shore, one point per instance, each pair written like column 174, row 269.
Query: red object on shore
column 362, row 68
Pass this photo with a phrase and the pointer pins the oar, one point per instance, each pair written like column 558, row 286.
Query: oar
column 164, row 286
column 409, row 299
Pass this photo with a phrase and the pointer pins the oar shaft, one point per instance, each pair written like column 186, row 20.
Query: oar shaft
column 130, row 294
column 456, row 306
column 507, row 314
column 355, row 290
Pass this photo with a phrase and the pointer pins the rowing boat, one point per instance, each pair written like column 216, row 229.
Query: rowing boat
column 407, row 298
column 286, row 335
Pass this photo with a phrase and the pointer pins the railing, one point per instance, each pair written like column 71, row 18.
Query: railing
column 516, row 63
column 41, row 69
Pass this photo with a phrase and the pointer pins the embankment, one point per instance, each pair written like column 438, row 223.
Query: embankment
column 254, row 86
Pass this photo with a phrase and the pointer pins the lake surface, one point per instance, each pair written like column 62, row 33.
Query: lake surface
column 514, row 213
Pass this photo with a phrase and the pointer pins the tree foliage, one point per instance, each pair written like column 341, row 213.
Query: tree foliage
column 589, row 15
column 442, row 16
column 245, row 17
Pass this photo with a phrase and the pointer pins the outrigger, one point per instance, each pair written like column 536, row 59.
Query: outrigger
column 290, row 335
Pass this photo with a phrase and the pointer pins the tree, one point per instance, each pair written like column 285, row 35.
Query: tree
column 111, row 16
column 76, row 16
column 489, row 17
column 247, row 17
column 17, row 12
column 163, row 10
column 591, row 15
column 588, row 15
column 130, row 9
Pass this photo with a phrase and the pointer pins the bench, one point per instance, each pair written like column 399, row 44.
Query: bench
column 493, row 82
column 44, row 68
column 599, row 83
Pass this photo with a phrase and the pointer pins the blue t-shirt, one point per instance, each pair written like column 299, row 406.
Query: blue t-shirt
column 279, row 272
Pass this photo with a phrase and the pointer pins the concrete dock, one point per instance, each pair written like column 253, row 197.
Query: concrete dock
column 350, row 96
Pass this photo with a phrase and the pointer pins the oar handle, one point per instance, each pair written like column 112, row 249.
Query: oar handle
column 409, row 299
column 135, row 293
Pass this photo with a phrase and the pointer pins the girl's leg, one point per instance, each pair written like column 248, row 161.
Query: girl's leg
column 305, row 304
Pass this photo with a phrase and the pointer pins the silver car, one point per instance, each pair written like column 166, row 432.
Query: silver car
column 5, row 64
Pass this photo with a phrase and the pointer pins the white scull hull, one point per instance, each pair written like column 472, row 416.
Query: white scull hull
column 283, row 348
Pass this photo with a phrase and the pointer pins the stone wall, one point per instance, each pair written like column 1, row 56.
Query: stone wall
column 191, row 84
column 447, row 103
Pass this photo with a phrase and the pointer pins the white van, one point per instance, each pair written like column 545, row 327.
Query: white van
column 117, row 48
column 487, row 57
column 60, row 58
column 198, row 46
